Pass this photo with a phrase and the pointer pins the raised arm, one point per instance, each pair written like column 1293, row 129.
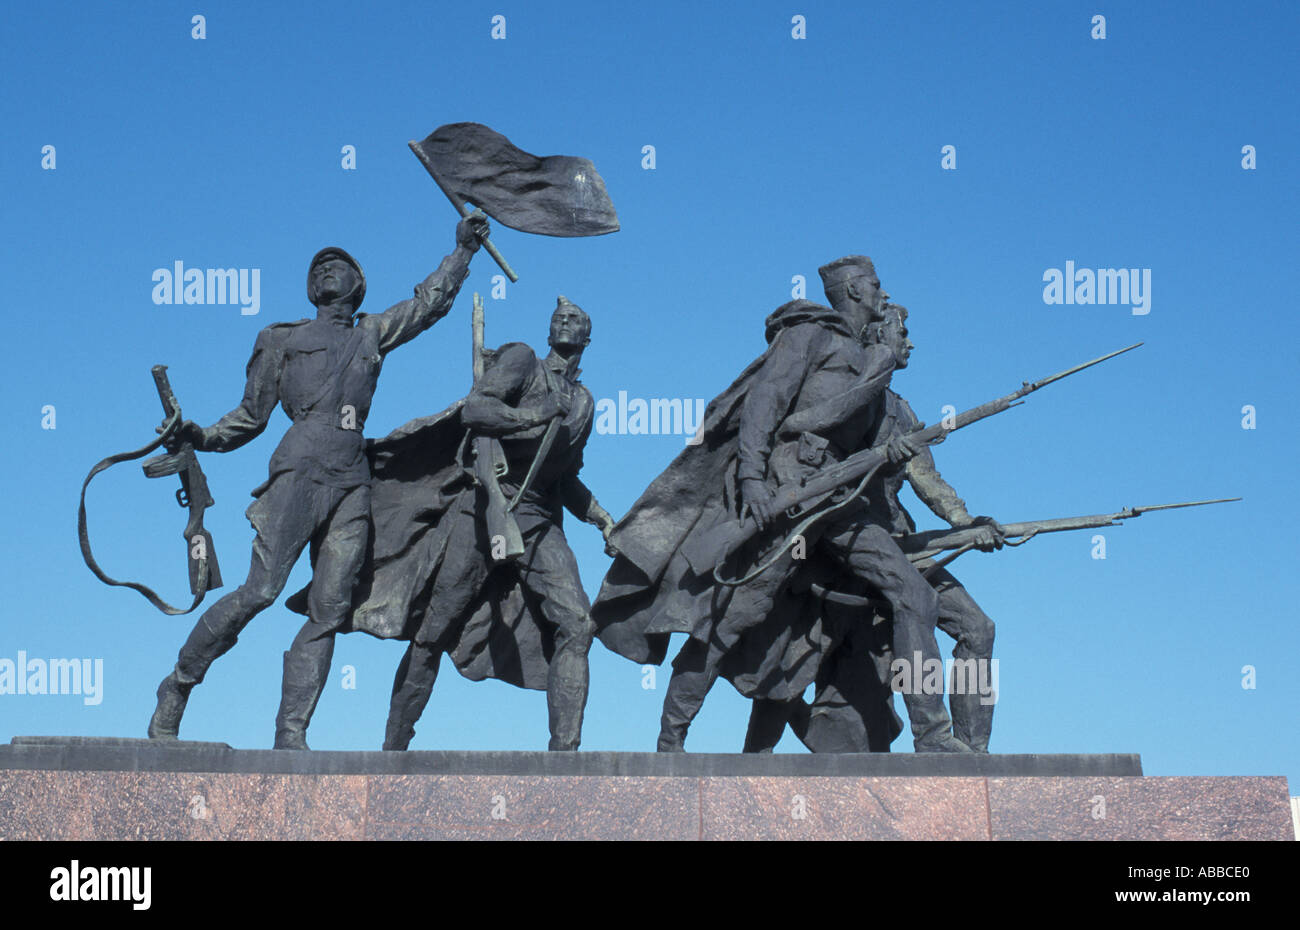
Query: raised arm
column 404, row 321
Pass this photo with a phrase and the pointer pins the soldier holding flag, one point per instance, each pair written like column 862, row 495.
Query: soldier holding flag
column 323, row 372
column 430, row 576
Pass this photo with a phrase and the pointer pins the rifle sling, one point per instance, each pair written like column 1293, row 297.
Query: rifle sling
column 544, row 448
column 548, row 439
column 84, row 536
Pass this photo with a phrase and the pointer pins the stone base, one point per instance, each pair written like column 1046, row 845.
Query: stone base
column 90, row 789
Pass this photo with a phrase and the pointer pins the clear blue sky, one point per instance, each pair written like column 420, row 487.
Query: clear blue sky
column 774, row 155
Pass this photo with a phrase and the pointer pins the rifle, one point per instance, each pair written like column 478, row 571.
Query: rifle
column 200, row 553
column 921, row 546
column 490, row 462
column 710, row 550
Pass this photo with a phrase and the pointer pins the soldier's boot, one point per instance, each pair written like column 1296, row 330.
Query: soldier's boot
column 565, row 701
column 694, row 671
column 412, row 686
column 566, row 686
column 800, row 717
column 306, row 669
column 972, row 720
column 202, row 648
column 408, row 702
column 972, row 695
column 397, row 737
column 931, row 728
column 678, row 713
column 767, row 720
column 173, row 695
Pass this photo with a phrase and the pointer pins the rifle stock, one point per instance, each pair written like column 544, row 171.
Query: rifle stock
column 490, row 462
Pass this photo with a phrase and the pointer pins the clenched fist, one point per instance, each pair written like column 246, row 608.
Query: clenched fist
column 472, row 230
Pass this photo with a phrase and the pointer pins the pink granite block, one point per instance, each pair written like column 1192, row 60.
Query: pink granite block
column 844, row 808
column 179, row 806
column 498, row 807
column 1145, row 808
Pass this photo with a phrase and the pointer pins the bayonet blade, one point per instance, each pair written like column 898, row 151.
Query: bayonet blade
column 1077, row 368
column 1218, row 500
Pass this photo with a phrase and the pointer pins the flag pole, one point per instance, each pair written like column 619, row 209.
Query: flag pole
column 464, row 211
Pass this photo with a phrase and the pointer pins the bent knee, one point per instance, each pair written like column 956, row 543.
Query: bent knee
column 979, row 639
column 258, row 597
column 579, row 631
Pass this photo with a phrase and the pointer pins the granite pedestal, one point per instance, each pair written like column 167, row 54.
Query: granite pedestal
column 61, row 788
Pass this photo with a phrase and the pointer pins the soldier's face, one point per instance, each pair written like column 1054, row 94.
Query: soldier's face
column 893, row 335
column 865, row 300
column 569, row 328
column 869, row 294
column 334, row 279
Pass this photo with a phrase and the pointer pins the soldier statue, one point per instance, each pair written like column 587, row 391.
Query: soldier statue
column 469, row 557
column 815, row 397
column 323, row 373
column 541, row 416
column 846, row 714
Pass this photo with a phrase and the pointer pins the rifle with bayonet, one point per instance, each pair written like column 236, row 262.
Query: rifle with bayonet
column 959, row 540
column 490, row 462
column 841, row 484
column 180, row 459
column 918, row 547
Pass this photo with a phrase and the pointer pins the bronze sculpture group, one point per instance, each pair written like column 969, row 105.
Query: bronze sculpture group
column 776, row 541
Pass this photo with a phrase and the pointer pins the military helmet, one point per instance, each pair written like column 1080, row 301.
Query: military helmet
column 335, row 252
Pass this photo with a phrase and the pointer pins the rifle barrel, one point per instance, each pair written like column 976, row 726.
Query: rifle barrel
column 940, row 540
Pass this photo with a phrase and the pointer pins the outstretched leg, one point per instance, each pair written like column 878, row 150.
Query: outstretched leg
column 694, row 671
column 283, row 520
column 767, row 720
column 461, row 573
column 696, row 668
column 412, row 687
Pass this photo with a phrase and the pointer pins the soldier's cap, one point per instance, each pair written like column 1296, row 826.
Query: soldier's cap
column 846, row 269
column 334, row 251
